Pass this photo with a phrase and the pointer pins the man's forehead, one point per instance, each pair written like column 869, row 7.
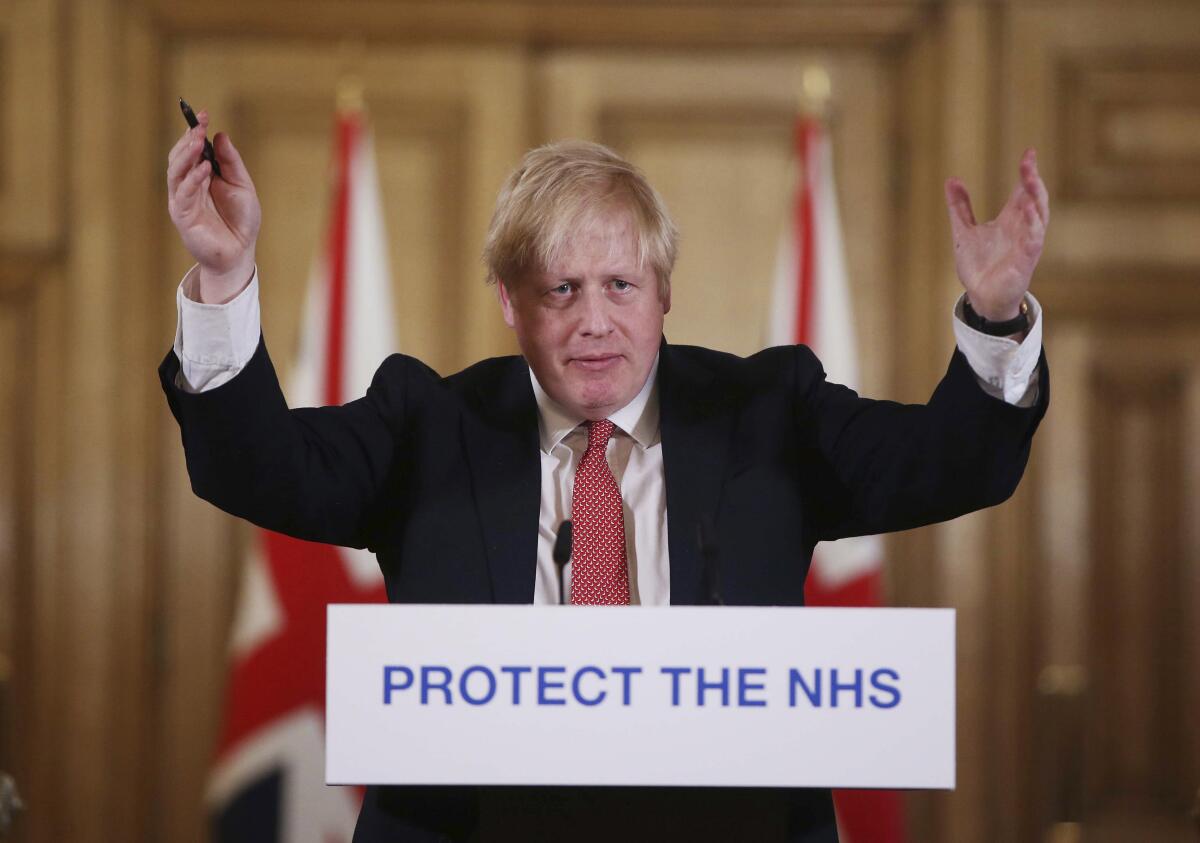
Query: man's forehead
column 604, row 242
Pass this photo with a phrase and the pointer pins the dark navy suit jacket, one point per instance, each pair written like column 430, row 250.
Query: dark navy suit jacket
column 440, row 477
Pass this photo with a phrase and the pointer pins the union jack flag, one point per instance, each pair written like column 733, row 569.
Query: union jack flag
column 268, row 779
column 810, row 304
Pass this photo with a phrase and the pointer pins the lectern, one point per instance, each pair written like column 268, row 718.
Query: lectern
column 698, row 697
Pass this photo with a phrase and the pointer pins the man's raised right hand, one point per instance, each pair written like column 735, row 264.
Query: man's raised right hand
column 217, row 218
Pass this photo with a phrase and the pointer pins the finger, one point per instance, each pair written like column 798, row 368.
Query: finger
column 189, row 187
column 180, row 145
column 1027, row 205
column 1029, row 213
column 183, row 162
column 1034, row 237
column 958, row 205
column 1041, row 197
column 1042, row 201
column 197, row 131
column 193, row 186
column 233, row 168
column 1034, row 233
column 1031, row 182
column 1028, row 164
column 1015, row 203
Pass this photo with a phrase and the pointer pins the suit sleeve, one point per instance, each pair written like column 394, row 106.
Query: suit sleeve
column 312, row 473
column 884, row 466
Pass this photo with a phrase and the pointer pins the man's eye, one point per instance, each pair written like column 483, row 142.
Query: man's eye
column 620, row 284
column 561, row 289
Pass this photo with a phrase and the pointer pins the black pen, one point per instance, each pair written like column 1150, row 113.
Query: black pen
column 190, row 117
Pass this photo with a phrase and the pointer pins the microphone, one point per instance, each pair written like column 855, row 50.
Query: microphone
column 706, row 541
column 561, row 555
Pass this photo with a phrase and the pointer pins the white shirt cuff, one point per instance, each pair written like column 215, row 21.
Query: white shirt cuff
column 214, row 341
column 1006, row 369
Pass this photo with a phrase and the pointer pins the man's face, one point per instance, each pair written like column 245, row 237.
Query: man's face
column 590, row 326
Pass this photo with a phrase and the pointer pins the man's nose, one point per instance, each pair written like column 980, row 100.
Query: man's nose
column 594, row 318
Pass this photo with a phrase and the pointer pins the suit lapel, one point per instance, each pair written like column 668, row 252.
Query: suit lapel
column 697, row 428
column 501, row 443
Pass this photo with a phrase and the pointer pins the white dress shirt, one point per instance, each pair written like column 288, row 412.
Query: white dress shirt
column 635, row 456
column 215, row 342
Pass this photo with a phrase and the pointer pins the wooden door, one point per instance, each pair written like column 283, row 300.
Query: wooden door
column 1108, row 705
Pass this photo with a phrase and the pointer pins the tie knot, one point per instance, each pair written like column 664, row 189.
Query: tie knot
column 598, row 433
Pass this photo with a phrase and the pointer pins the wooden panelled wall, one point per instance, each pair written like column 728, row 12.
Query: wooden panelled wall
column 1079, row 600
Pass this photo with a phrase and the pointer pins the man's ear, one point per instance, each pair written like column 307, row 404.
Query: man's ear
column 506, row 305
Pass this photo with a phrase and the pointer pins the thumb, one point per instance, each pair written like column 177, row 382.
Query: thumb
column 958, row 205
column 233, row 169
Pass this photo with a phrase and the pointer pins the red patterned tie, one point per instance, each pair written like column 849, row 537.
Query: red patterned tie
column 599, row 574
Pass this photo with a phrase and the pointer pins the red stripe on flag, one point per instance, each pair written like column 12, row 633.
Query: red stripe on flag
column 339, row 236
column 806, row 264
column 864, row 816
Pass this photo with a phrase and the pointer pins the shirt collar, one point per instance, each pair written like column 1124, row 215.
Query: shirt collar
column 638, row 418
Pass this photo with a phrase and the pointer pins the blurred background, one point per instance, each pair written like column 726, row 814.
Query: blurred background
column 1078, row 600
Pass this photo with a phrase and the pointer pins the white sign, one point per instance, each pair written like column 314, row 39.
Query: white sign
column 602, row 695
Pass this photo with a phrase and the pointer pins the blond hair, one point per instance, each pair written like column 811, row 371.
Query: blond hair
column 558, row 190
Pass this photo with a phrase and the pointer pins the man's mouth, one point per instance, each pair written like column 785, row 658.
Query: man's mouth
column 596, row 362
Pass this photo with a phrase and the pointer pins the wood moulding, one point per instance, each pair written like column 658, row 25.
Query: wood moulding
column 1133, row 293
column 542, row 22
column 1127, row 116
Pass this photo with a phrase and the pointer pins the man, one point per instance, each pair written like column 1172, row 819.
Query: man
column 459, row 483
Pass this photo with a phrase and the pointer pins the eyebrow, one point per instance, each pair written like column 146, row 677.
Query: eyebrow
column 615, row 273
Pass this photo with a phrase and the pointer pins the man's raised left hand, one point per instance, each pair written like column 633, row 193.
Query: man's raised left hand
column 995, row 260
